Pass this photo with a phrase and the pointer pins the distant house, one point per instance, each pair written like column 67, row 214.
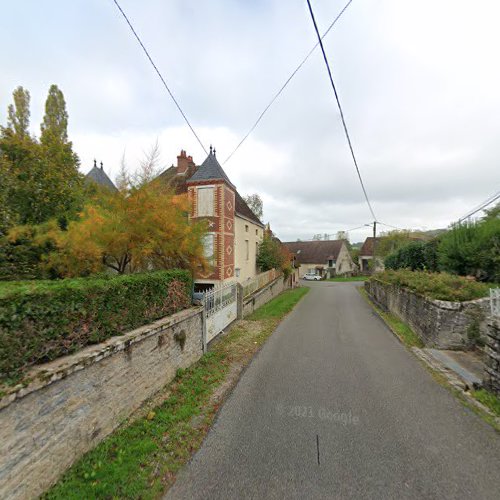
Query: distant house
column 326, row 258
column 365, row 258
column 234, row 230
column 99, row 176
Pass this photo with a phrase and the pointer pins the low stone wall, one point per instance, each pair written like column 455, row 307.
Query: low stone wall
column 491, row 379
column 74, row 402
column 440, row 324
column 261, row 297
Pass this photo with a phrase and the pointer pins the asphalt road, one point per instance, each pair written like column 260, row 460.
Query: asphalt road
column 334, row 406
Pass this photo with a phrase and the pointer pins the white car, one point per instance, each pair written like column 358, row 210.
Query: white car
column 312, row 277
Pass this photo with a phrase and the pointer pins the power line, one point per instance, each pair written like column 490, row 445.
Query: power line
column 481, row 206
column 340, row 109
column 159, row 74
column 296, row 70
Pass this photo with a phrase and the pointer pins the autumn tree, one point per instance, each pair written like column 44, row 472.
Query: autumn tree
column 254, row 201
column 144, row 229
column 273, row 255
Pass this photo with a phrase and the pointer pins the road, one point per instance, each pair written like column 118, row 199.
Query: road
column 334, row 406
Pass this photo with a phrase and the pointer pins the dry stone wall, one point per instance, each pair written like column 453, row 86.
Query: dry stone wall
column 74, row 402
column 440, row 324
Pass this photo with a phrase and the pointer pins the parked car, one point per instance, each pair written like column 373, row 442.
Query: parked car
column 312, row 277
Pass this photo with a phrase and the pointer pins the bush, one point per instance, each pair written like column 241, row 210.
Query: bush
column 43, row 320
column 472, row 249
column 441, row 286
column 416, row 255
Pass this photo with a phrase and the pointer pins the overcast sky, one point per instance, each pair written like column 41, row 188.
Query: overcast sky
column 419, row 82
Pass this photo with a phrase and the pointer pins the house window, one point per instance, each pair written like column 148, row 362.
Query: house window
column 208, row 246
column 246, row 228
column 256, row 232
column 247, row 249
column 205, row 201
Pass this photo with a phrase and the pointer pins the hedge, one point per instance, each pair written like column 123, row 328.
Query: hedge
column 43, row 320
column 441, row 286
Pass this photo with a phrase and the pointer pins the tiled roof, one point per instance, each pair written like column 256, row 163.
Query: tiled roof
column 244, row 210
column 99, row 176
column 315, row 252
column 367, row 248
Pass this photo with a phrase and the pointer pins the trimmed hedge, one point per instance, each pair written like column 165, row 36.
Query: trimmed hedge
column 43, row 320
column 440, row 286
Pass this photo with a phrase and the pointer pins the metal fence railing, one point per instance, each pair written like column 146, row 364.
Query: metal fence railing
column 260, row 281
column 495, row 301
column 218, row 298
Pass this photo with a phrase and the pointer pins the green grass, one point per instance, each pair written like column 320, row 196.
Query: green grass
column 488, row 399
column 352, row 278
column 279, row 306
column 141, row 458
column 398, row 327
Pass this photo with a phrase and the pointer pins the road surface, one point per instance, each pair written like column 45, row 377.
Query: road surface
column 334, row 406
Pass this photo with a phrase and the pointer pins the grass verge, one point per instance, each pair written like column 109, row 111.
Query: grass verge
column 141, row 458
column 488, row 399
column 398, row 327
column 410, row 339
column 352, row 278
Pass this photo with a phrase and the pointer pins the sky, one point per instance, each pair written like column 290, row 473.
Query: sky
column 418, row 81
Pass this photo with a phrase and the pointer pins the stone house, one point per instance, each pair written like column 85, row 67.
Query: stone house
column 326, row 258
column 365, row 257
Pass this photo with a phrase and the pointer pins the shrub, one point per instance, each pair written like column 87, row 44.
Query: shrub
column 416, row 255
column 472, row 249
column 441, row 286
column 43, row 320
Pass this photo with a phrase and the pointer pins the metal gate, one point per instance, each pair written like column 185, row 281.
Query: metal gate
column 221, row 309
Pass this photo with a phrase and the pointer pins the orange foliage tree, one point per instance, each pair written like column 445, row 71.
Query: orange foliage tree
column 140, row 229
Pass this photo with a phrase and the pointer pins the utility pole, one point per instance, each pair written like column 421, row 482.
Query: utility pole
column 374, row 243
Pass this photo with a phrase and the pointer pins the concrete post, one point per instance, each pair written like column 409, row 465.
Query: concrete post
column 239, row 301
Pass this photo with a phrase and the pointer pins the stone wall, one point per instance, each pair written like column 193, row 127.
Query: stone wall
column 261, row 297
column 491, row 379
column 74, row 402
column 440, row 324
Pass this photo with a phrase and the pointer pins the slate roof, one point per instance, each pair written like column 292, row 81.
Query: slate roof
column 99, row 176
column 210, row 169
column 315, row 252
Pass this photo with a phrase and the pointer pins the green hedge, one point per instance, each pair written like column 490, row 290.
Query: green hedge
column 43, row 320
column 441, row 286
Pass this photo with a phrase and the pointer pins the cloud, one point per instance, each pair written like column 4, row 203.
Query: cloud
column 417, row 81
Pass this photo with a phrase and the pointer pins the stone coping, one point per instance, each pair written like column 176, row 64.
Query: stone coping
column 452, row 305
column 43, row 375
column 260, row 291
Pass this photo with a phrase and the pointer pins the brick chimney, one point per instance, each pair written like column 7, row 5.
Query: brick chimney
column 184, row 162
